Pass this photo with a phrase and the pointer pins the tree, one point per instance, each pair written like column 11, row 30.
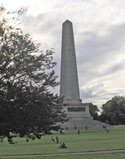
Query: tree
column 114, row 111
column 93, row 109
column 26, row 75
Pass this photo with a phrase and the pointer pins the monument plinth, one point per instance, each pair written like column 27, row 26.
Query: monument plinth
column 76, row 111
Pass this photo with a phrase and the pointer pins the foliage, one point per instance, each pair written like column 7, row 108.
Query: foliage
column 114, row 111
column 26, row 76
column 93, row 109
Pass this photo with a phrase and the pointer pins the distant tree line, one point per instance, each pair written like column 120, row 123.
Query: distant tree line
column 113, row 111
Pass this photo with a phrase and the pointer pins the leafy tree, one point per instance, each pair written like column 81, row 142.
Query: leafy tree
column 26, row 75
column 114, row 111
column 93, row 109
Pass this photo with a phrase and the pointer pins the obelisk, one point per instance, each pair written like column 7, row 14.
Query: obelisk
column 77, row 112
column 69, row 87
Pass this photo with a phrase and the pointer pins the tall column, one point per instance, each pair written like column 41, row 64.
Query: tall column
column 77, row 112
column 69, row 87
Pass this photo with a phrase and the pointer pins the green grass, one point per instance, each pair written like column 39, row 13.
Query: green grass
column 90, row 140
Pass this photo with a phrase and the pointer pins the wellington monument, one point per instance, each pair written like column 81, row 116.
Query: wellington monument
column 77, row 112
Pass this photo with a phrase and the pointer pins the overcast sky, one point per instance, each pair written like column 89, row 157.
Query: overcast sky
column 99, row 31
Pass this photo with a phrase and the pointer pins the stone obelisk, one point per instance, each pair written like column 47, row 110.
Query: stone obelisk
column 69, row 86
column 77, row 112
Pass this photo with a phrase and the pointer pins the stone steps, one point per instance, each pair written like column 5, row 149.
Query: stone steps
column 85, row 123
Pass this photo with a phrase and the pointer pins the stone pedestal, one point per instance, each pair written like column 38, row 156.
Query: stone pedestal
column 76, row 114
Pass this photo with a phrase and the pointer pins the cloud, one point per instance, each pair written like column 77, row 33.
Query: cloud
column 102, row 55
column 102, row 60
column 99, row 92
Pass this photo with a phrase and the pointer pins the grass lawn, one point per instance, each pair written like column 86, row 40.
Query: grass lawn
column 90, row 140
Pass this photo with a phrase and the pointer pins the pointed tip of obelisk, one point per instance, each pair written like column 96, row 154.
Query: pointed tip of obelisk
column 67, row 21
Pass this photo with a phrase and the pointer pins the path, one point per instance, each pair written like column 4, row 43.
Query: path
column 65, row 154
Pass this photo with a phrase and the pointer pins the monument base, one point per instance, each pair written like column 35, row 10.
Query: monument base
column 79, row 117
column 82, row 123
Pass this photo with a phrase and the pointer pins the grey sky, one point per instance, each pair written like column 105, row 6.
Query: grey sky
column 99, row 31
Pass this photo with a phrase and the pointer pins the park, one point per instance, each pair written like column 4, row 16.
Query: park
column 37, row 123
column 77, row 144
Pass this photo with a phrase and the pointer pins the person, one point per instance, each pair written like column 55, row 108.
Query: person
column 78, row 131
column 62, row 131
column 57, row 139
column 86, row 127
column 62, row 145
column 53, row 140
